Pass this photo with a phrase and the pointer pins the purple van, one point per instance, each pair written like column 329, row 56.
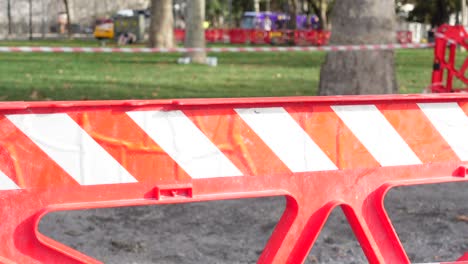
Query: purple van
column 272, row 21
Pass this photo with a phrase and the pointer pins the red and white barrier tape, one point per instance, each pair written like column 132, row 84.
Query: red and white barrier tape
column 215, row 50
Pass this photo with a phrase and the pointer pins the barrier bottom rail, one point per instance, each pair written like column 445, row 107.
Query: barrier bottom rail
column 319, row 152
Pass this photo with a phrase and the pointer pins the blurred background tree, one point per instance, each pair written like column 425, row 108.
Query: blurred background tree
column 161, row 33
column 433, row 12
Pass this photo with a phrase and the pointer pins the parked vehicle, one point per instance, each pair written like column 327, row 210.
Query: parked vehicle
column 104, row 29
column 275, row 21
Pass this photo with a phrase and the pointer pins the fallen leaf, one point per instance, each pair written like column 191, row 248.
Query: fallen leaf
column 34, row 95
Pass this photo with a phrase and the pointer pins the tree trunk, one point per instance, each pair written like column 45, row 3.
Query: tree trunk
column 360, row 72
column 441, row 16
column 321, row 9
column 10, row 30
column 257, row 6
column 323, row 15
column 293, row 12
column 30, row 21
column 162, row 24
column 67, row 10
column 195, row 33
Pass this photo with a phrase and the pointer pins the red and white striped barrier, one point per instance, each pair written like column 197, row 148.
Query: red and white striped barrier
column 318, row 152
column 215, row 50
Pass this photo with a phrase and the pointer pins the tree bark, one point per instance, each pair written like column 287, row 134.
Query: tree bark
column 360, row 72
column 321, row 9
column 323, row 15
column 67, row 10
column 195, row 33
column 162, row 24
column 10, row 30
column 293, row 11
column 30, row 21
column 257, row 6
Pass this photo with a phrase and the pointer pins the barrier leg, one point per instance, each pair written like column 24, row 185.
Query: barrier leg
column 450, row 73
column 296, row 232
column 374, row 230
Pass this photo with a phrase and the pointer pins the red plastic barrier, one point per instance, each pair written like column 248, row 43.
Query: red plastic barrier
column 179, row 35
column 244, row 36
column 213, row 35
column 311, row 37
column 282, row 37
column 276, row 37
column 445, row 69
column 239, row 36
column 323, row 37
column 222, row 35
column 404, row 37
column 318, row 152
column 259, row 37
column 301, row 37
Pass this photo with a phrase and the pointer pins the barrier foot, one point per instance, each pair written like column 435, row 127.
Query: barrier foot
column 19, row 245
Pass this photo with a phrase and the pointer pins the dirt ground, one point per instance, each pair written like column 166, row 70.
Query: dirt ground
column 431, row 221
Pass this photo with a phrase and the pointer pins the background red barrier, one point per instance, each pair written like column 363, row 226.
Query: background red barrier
column 214, row 35
column 404, row 37
column 275, row 37
column 259, row 37
column 239, row 36
column 445, row 70
column 179, row 35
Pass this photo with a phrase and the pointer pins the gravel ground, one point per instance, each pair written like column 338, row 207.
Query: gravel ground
column 431, row 221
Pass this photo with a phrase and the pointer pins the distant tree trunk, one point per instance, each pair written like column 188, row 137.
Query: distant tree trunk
column 257, row 6
column 441, row 16
column 293, row 12
column 360, row 72
column 321, row 9
column 195, row 33
column 323, row 14
column 10, row 30
column 67, row 10
column 30, row 21
column 162, row 24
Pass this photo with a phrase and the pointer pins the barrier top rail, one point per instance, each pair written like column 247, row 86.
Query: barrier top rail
column 214, row 50
column 317, row 152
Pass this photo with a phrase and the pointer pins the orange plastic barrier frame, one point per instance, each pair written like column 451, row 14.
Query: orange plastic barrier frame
column 319, row 152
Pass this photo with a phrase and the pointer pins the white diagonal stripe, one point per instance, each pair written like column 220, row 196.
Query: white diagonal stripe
column 371, row 127
column 286, row 139
column 6, row 183
column 185, row 143
column 452, row 124
column 72, row 148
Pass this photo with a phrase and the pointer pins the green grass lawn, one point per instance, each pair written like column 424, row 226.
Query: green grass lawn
column 145, row 76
